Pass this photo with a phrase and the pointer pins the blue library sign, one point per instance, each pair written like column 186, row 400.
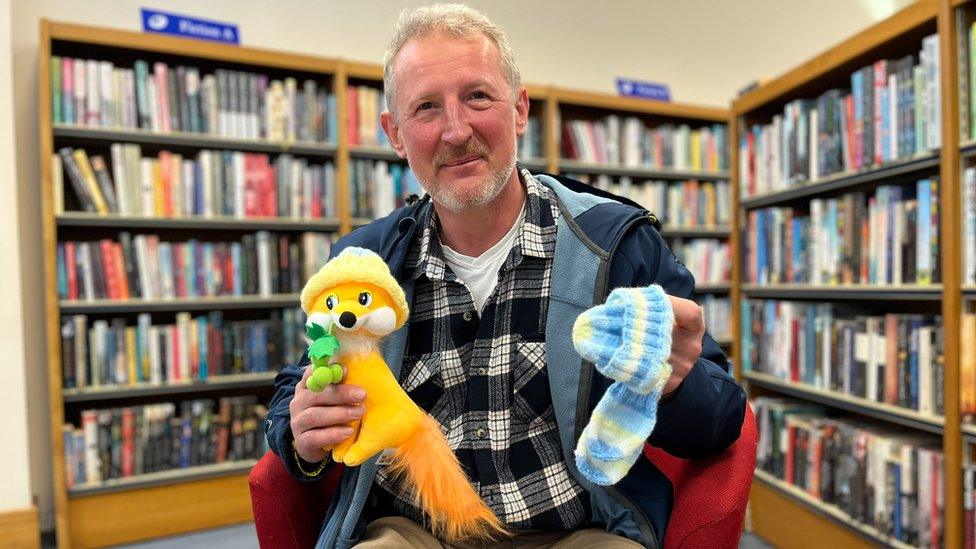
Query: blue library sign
column 190, row 27
column 646, row 90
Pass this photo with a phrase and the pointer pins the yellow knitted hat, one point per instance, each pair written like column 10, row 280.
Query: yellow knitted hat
column 356, row 265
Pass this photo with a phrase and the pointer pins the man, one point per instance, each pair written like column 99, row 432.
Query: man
column 497, row 264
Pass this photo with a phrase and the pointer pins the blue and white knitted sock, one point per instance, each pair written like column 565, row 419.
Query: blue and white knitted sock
column 628, row 339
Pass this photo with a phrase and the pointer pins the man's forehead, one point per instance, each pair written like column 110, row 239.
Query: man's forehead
column 423, row 50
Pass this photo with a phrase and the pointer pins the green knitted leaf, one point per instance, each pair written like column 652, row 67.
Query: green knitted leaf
column 315, row 331
column 323, row 347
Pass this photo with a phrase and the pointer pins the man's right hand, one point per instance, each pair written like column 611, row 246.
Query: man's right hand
column 320, row 420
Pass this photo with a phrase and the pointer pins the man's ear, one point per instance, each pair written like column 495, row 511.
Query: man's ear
column 393, row 133
column 521, row 111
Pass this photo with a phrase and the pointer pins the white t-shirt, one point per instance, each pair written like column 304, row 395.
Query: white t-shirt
column 480, row 274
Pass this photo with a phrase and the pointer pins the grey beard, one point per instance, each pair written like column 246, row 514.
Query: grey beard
column 445, row 197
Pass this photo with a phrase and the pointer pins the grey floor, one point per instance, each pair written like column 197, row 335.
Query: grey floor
column 244, row 537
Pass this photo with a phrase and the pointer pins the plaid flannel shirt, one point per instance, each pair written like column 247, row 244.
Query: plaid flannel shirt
column 485, row 379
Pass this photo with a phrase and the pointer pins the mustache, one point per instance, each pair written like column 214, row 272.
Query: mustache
column 471, row 148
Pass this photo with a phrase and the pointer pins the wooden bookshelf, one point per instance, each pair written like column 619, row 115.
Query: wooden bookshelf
column 969, row 433
column 178, row 505
column 179, row 500
column 570, row 105
column 779, row 510
column 643, row 173
column 163, row 478
column 712, row 288
column 696, row 232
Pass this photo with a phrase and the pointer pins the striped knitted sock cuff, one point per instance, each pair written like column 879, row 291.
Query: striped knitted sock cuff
column 628, row 338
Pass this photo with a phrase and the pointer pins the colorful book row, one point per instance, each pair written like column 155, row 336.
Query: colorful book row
column 895, row 359
column 226, row 103
column 708, row 259
column 888, row 237
column 891, row 481
column 891, row 112
column 119, row 443
column 143, row 266
column 627, row 141
column 213, row 183
column 377, row 187
column 117, row 352
column 678, row 204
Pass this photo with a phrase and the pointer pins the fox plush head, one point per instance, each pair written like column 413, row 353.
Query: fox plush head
column 355, row 294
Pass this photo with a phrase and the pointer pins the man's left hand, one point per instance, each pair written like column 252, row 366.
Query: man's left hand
column 686, row 341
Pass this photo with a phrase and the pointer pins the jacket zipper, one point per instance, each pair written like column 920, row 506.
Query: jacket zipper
column 582, row 405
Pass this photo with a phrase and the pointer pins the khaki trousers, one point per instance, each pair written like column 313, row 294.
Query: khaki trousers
column 399, row 532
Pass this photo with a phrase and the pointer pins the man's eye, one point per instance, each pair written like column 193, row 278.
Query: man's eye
column 426, row 106
column 479, row 95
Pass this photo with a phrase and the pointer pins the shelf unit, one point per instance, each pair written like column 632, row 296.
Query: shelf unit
column 575, row 105
column 180, row 500
column 779, row 510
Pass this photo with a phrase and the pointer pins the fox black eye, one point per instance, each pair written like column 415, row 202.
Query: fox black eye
column 331, row 302
column 365, row 299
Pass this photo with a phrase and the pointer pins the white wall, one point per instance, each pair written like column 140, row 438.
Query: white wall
column 704, row 50
column 15, row 493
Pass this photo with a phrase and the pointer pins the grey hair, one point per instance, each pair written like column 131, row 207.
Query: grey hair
column 454, row 19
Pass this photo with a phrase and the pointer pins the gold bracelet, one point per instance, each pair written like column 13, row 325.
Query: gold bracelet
column 298, row 461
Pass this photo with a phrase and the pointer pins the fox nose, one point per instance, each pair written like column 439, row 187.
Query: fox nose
column 347, row 320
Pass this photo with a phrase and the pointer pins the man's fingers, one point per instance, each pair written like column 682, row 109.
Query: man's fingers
column 318, row 417
column 337, row 394
column 687, row 314
column 310, row 443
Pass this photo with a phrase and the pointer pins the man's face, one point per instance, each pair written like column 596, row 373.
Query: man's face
column 457, row 121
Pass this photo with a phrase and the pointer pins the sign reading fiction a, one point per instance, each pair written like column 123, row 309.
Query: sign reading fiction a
column 190, row 27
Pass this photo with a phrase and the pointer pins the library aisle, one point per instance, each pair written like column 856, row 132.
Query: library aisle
column 176, row 174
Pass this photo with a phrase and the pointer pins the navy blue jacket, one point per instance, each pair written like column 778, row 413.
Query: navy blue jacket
column 601, row 244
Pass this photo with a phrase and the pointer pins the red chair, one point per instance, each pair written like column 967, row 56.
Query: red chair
column 710, row 495
column 709, row 501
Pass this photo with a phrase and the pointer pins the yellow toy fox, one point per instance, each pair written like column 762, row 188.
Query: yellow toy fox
column 358, row 301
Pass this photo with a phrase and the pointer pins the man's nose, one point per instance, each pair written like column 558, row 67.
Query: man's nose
column 457, row 130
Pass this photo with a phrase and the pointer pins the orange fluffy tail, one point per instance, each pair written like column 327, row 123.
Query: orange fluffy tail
column 428, row 467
